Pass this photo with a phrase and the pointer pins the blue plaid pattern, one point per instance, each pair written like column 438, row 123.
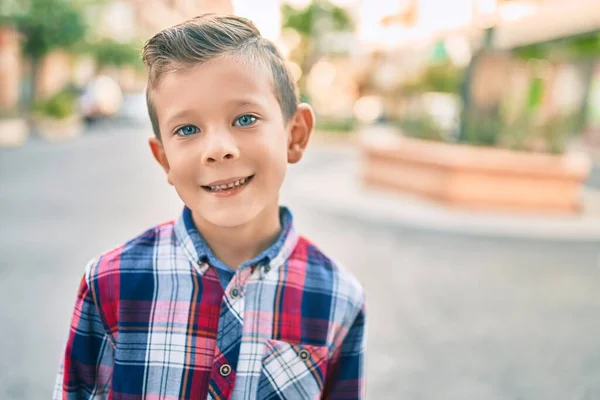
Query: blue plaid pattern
column 153, row 321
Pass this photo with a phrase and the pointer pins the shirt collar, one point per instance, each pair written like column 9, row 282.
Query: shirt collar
column 197, row 248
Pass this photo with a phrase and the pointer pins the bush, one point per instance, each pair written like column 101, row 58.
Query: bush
column 336, row 125
column 525, row 132
column 481, row 127
column 557, row 131
column 440, row 78
column 110, row 52
column 443, row 78
column 59, row 106
column 422, row 126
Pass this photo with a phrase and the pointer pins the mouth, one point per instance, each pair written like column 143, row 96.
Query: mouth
column 228, row 186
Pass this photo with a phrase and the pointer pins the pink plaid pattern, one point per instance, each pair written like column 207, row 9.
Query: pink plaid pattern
column 152, row 321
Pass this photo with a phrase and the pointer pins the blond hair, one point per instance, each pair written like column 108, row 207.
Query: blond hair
column 210, row 36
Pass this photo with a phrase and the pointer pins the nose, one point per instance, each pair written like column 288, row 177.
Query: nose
column 219, row 147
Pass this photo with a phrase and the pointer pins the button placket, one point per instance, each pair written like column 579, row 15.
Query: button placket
column 236, row 291
column 263, row 270
column 202, row 266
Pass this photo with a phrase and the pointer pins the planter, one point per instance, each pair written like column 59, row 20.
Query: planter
column 476, row 177
column 13, row 132
column 54, row 129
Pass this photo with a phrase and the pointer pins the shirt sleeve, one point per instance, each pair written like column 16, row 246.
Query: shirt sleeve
column 345, row 372
column 86, row 365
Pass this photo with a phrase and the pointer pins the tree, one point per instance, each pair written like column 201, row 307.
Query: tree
column 108, row 52
column 47, row 25
column 312, row 23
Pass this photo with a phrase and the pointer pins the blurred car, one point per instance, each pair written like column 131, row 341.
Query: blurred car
column 101, row 98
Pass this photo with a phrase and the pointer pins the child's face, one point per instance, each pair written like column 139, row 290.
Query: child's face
column 221, row 126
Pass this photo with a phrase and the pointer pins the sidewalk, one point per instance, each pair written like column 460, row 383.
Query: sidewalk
column 335, row 188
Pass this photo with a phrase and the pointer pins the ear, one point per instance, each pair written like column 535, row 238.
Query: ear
column 300, row 128
column 158, row 151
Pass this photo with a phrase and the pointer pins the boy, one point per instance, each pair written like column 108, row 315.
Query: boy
column 228, row 302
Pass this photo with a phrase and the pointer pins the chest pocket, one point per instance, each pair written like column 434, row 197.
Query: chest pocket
column 292, row 371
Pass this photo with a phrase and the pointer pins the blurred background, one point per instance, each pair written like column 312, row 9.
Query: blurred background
column 454, row 171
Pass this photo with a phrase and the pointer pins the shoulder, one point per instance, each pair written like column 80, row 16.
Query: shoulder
column 123, row 269
column 324, row 275
column 136, row 253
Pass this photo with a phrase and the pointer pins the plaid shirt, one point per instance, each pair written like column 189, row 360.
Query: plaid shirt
column 153, row 321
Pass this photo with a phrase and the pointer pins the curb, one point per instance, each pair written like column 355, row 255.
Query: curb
column 336, row 190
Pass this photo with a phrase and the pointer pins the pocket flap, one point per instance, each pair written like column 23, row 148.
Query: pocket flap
column 292, row 371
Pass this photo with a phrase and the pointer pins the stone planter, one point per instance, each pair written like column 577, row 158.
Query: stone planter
column 13, row 132
column 476, row 177
column 53, row 129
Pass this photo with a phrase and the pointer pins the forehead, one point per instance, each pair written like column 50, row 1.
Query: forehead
column 212, row 84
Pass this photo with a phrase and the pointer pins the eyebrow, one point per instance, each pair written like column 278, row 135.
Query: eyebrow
column 183, row 114
column 244, row 102
column 177, row 115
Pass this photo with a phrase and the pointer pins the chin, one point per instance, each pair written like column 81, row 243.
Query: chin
column 230, row 217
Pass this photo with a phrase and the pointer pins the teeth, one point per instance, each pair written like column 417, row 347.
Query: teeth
column 228, row 186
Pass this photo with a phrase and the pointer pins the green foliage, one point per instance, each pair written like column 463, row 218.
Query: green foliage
column 587, row 46
column 525, row 132
column 516, row 134
column 335, row 125
column 110, row 52
column 580, row 47
column 9, row 8
column 482, row 128
column 442, row 78
column 59, row 106
column 49, row 24
column 340, row 19
column 305, row 20
column 535, row 94
column 556, row 132
column 532, row 52
column 310, row 23
column 302, row 21
column 422, row 126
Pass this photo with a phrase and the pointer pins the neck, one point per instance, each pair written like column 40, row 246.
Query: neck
column 234, row 245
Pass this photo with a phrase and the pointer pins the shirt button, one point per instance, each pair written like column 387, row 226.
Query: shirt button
column 304, row 355
column 267, row 269
column 225, row 370
column 235, row 293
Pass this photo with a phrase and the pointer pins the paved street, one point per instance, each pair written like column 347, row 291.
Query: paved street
column 449, row 317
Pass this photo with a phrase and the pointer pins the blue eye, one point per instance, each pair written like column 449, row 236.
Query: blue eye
column 187, row 130
column 245, row 120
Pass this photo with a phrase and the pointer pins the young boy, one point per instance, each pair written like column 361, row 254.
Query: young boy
column 228, row 302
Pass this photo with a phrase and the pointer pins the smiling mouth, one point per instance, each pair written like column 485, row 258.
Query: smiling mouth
column 228, row 187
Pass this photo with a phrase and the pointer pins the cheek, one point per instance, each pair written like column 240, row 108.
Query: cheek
column 275, row 163
column 181, row 166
